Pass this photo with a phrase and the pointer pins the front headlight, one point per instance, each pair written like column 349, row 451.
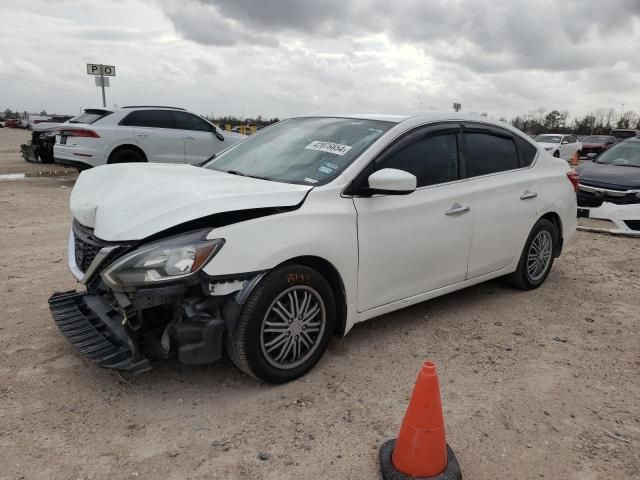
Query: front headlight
column 163, row 261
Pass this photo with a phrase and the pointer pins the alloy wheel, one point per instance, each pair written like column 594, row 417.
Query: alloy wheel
column 293, row 327
column 539, row 255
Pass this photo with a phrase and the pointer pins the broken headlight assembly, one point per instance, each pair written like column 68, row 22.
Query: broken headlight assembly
column 166, row 260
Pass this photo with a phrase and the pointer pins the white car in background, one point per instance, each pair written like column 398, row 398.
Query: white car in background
column 559, row 145
column 305, row 229
column 140, row 134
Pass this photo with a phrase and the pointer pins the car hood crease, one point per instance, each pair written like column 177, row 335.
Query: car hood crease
column 134, row 201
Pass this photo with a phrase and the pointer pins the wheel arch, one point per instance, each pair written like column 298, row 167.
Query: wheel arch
column 333, row 277
column 554, row 218
column 127, row 146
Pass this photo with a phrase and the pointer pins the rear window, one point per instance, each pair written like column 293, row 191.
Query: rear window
column 527, row 151
column 487, row 153
column 148, row 118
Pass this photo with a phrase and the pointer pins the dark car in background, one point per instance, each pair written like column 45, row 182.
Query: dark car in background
column 594, row 145
column 609, row 190
column 624, row 133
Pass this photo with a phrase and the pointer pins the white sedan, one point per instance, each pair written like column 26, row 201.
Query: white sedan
column 302, row 230
column 560, row 146
column 138, row 134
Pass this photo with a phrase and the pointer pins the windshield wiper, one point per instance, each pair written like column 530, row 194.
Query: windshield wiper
column 202, row 163
column 236, row 172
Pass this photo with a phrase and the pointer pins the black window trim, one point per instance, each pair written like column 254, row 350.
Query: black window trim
column 212, row 127
column 173, row 127
column 500, row 132
column 359, row 182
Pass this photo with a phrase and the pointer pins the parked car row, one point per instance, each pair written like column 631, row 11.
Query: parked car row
column 588, row 147
column 302, row 230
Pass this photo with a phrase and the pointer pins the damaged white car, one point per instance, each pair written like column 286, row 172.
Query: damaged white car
column 609, row 194
column 303, row 230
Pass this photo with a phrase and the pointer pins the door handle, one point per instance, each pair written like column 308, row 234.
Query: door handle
column 142, row 134
column 190, row 138
column 456, row 209
column 526, row 195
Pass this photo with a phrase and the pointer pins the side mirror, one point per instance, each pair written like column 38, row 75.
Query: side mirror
column 391, row 181
column 218, row 135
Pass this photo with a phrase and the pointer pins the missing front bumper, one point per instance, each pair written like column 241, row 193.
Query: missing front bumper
column 95, row 329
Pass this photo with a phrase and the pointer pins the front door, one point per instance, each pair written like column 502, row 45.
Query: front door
column 154, row 131
column 415, row 243
column 200, row 141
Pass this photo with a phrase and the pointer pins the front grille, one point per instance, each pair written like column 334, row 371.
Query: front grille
column 587, row 150
column 84, row 252
column 591, row 199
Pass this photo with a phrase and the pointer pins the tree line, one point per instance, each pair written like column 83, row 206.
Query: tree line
column 597, row 122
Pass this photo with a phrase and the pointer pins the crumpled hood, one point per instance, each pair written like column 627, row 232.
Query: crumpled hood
column 604, row 175
column 133, row 201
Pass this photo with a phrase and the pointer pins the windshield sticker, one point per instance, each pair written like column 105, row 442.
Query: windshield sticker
column 329, row 147
column 311, row 180
column 326, row 170
column 331, row 165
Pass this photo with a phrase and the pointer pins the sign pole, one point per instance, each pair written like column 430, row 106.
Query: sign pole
column 104, row 101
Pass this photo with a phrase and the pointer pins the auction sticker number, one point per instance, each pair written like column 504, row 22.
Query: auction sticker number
column 329, row 147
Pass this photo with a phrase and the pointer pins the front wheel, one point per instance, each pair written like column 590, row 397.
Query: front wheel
column 537, row 256
column 556, row 154
column 284, row 326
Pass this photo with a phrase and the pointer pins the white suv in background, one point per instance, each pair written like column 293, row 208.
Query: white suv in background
column 140, row 134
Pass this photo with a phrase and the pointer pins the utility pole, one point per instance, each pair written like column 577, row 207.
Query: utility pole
column 104, row 99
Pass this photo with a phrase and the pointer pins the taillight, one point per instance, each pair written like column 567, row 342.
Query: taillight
column 574, row 178
column 78, row 132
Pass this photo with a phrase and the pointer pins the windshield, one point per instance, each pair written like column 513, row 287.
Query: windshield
column 596, row 139
column 308, row 151
column 548, row 138
column 625, row 154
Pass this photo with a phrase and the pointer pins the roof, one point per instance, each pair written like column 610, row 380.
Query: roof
column 434, row 116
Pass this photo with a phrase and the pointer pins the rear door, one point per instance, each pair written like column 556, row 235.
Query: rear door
column 155, row 133
column 200, row 141
column 415, row 243
column 505, row 195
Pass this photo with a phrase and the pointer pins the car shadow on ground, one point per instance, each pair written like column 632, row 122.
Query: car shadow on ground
column 170, row 375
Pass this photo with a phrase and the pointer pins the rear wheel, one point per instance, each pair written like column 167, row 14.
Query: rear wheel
column 284, row 326
column 537, row 256
column 126, row 155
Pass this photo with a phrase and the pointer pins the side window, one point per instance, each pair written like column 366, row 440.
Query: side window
column 487, row 153
column 148, row 118
column 570, row 139
column 527, row 151
column 188, row 121
column 432, row 160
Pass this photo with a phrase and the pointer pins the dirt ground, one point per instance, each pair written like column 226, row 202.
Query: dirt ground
column 540, row 384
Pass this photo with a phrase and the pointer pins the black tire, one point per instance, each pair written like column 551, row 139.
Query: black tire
column 556, row 154
column 246, row 345
column 522, row 278
column 126, row 155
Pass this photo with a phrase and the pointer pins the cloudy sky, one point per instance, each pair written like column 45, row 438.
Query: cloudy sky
column 285, row 57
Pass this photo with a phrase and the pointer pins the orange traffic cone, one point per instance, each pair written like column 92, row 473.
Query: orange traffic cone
column 420, row 450
column 575, row 160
